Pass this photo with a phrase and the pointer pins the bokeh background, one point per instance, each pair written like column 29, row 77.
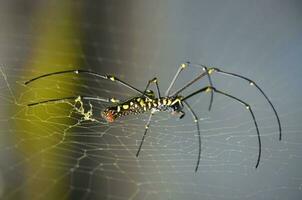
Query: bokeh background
column 50, row 152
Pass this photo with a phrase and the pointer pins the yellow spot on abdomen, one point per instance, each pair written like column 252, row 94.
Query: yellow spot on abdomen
column 159, row 103
column 142, row 103
column 126, row 106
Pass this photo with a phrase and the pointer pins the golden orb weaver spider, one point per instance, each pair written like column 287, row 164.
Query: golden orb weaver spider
column 174, row 103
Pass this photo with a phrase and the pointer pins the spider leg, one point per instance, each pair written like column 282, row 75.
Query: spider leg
column 198, row 131
column 146, row 130
column 154, row 80
column 182, row 67
column 112, row 100
column 209, row 88
column 252, row 83
column 182, row 114
column 79, row 71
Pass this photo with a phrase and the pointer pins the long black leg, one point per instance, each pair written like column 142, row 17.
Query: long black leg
column 209, row 88
column 210, row 82
column 79, row 71
column 205, row 73
column 251, row 82
column 146, row 130
column 154, row 80
column 181, row 67
column 112, row 100
column 198, row 131
column 157, row 87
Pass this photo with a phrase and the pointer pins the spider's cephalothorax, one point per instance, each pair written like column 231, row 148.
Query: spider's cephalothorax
column 143, row 104
column 173, row 103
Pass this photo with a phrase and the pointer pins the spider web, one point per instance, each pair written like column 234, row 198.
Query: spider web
column 65, row 150
column 98, row 158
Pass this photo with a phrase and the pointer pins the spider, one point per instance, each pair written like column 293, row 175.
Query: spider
column 173, row 103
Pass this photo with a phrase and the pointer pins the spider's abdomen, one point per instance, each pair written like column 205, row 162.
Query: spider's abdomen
column 139, row 105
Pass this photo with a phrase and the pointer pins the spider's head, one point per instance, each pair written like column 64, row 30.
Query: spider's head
column 177, row 107
column 109, row 114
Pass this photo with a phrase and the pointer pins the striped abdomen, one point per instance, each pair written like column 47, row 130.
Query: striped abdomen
column 140, row 105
